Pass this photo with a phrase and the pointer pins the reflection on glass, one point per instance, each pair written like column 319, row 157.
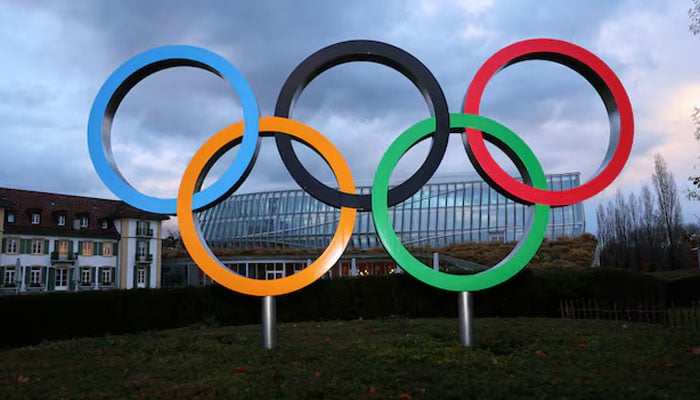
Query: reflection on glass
column 438, row 214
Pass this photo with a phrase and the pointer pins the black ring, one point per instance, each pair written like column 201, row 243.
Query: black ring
column 380, row 53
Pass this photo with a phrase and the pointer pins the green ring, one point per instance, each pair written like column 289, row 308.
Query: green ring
column 521, row 254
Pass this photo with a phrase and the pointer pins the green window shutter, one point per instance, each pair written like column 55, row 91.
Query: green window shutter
column 4, row 246
column 136, row 274
column 80, row 247
column 23, row 246
column 71, row 271
column 94, row 249
column 148, row 247
column 70, row 249
column 52, row 279
column 93, row 274
column 46, row 246
column 27, row 274
column 2, row 276
column 55, row 246
column 148, row 277
column 100, row 248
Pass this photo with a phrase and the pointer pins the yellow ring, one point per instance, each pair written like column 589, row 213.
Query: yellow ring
column 201, row 253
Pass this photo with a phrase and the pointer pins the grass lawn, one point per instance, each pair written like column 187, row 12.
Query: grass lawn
column 383, row 359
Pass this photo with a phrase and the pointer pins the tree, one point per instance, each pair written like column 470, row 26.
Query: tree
column 635, row 231
column 694, row 14
column 669, row 208
column 649, row 228
column 644, row 232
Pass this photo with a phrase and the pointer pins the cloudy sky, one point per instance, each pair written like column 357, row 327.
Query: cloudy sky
column 57, row 54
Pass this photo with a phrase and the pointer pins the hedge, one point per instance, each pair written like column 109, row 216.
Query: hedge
column 32, row 318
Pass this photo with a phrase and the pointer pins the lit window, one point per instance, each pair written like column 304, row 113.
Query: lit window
column 84, row 222
column 11, row 246
column 107, row 249
column 63, row 248
column 37, row 246
column 61, row 220
column 87, row 248
column 10, row 217
column 36, row 219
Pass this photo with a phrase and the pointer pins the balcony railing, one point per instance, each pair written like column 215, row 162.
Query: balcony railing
column 144, row 232
column 144, row 258
column 57, row 257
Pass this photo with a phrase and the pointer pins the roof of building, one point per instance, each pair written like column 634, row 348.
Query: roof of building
column 54, row 208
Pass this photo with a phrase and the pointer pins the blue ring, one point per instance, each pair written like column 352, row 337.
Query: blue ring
column 129, row 74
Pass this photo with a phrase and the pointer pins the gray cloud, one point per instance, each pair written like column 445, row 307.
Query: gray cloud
column 62, row 52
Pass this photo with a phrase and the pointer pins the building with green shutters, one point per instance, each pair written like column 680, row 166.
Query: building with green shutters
column 58, row 242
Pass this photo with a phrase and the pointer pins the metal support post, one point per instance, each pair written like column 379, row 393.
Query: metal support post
column 465, row 309
column 436, row 262
column 269, row 322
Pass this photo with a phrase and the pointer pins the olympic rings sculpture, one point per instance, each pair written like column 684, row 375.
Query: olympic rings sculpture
column 475, row 130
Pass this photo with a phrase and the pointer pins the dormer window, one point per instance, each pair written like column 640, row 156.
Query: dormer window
column 11, row 217
column 61, row 220
column 36, row 218
column 105, row 225
column 83, row 222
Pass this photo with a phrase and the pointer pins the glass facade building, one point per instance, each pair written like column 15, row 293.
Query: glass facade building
column 441, row 213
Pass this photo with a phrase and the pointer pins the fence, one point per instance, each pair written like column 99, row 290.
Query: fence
column 673, row 315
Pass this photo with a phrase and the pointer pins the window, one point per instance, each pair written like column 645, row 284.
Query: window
column 35, row 277
column 106, row 278
column 141, row 248
column 9, row 278
column 274, row 271
column 37, row 246
column 83, row 222
column 87, row 248
column 10, row 217
column 64, row 248
column 141, row 277
column 61, row 278
column 104, row 224
column 143, row 228
column 107, row 249
column 36, row 218
column 11, row 246
column 61, row 220
column 85, row 276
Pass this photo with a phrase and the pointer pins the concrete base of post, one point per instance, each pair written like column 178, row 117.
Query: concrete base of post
column 465, row 309
column 269, row 322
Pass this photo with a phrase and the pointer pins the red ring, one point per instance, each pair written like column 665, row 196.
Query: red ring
column 578, row 59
